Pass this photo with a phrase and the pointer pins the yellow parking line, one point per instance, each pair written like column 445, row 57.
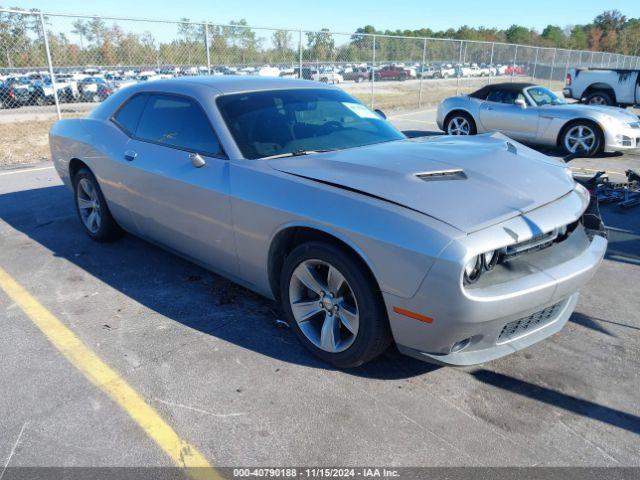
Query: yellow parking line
column 99, row 373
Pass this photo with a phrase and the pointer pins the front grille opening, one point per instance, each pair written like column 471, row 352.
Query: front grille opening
column 538, row 242
column 522, row 326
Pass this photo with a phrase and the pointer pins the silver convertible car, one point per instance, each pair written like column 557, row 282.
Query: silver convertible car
column 533, row 114
column 459, row 250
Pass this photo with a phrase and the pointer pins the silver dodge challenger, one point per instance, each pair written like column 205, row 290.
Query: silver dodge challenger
column 459, row 250
column 533, row 114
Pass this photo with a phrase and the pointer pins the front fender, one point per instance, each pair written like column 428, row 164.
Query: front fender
column 397, row 244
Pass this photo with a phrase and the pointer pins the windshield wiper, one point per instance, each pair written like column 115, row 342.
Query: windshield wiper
column 295, row 153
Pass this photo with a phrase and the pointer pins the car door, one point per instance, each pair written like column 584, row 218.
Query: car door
column 499, row 113
column 175, row 202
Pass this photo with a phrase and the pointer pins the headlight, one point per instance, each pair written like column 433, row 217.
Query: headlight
column 473, row 270
column 490, row 259
column 478, row 264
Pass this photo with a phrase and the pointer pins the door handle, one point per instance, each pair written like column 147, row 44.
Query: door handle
column 489, row 108
column 130, row 155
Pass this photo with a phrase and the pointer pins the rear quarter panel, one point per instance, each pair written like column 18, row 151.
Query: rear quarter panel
column 467, row 104
column 98, row 144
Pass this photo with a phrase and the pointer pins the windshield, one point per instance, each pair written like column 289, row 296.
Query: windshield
column 278, row 122
column 543, row 96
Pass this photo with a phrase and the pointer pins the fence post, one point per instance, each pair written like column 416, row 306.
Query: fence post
column 513, row 68
column 300, row 55
column 206, row 44
column 491, row 67
column 424, row 59
column 373, row 72
column 459, row 71
column 535, row 65
column 591, row 60
column 553, row 64
column 51, row 74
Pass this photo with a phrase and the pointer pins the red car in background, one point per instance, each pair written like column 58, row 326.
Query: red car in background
column 392, row 72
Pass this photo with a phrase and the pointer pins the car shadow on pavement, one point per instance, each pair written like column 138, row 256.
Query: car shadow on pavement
column 585, row 408
column 171, row 286
column 421, row 133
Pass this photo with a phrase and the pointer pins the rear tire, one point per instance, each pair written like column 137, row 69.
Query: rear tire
column 599, row 98
column 460, row 123
column 353, row 331
column 89, row 201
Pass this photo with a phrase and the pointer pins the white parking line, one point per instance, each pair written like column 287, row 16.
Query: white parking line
column 408, row 114
column 25, row 170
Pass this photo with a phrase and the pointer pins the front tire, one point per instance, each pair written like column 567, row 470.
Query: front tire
column 460, row 123
column 92, row 209
column 334, row 305
column 581, row 136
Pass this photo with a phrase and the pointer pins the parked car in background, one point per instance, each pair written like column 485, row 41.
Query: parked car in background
column 7, row 96
column 512, row 69
column 428, row 71
column 392, row 72
column 533, row 114
column 94, row 89
column 356, row 74
column 326, row 76
column 596, row 86
column 446, row 71
column 23, row 89
column 386, row 240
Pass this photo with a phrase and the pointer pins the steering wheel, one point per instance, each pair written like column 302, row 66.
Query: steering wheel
column 329, row 127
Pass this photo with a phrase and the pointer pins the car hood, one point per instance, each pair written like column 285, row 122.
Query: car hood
column 501, row 179
column 581, row 109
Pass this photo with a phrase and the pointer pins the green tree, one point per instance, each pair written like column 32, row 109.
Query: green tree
column 578, row 39
column 81, row 29
column 321, row 46
column 553, row 36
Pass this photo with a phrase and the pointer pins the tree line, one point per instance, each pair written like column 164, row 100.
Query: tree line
column 611, row 31
column 93, row 41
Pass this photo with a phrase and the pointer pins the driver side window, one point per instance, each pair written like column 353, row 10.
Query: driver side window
column 505, row 96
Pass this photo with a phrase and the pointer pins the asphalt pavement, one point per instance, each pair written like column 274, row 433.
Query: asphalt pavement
column 223, row 372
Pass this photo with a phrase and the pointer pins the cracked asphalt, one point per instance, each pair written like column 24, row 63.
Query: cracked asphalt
column 213, row 359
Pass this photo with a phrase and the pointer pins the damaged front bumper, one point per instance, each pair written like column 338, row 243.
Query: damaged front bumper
column 516, row 305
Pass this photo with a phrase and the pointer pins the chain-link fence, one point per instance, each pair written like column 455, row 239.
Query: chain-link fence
column 82, row 60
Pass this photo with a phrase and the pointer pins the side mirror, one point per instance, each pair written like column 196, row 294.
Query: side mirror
column 197, row 160
column 381, row 113
column 521, row 103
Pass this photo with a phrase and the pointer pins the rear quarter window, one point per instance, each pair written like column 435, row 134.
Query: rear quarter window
column 128, row 115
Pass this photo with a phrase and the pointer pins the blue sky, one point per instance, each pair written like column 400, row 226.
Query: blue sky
column 346, row 15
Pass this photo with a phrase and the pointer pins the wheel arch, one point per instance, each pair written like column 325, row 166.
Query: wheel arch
column 290, row 236
column 458, row 109
column 600, row 86
column 76, row 164
column 574, row 121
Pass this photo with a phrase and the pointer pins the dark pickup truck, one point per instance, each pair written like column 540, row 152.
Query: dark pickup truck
column 392, row 72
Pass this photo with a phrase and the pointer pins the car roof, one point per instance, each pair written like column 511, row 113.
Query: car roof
column 509, row 86
column 241, row 83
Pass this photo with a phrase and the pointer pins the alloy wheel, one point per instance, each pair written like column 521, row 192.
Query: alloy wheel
column 458, row 126
column 598, row 100
column 580, row 137
column 89, row 205
column 324, row 305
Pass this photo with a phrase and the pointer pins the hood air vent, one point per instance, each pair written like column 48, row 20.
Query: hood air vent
column 441, row 175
